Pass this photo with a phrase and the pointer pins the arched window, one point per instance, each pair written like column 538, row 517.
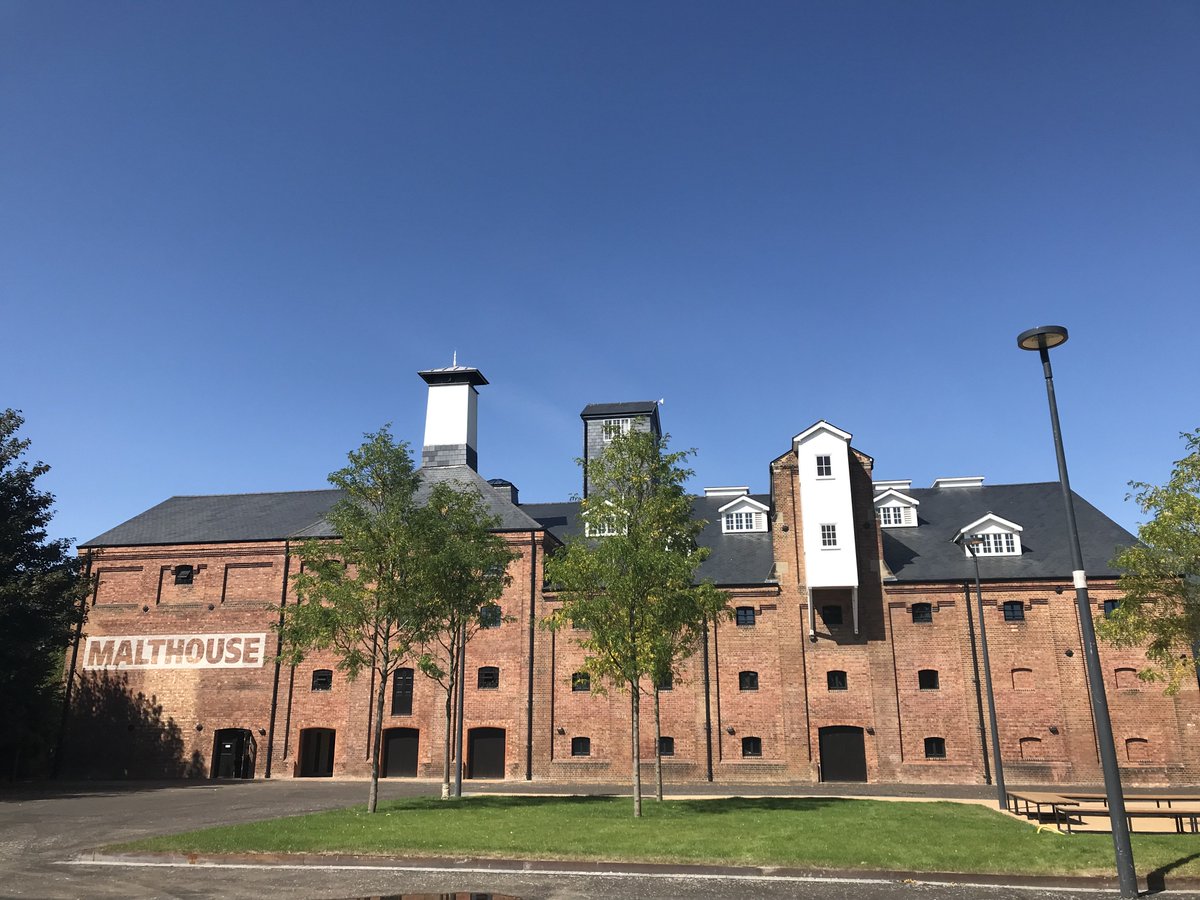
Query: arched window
column 1022, row 679
column 744, row 616
column 935, row 748
column 922, row 613
column 751, row 746
column 184, row 574
column 835, row 680
column 1137, row 750
column 1031, row 748
column 747, row 681
column 666, row 746
column 927, row 680
column 489, row 678
column 581, row 746
column 322, row 679
column 1127, row 679
column 581, row 681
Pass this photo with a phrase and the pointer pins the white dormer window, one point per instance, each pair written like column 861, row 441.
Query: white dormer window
column 596, row 524
column 824, row 467
column 997, row 536
column 896, row 509
column 743, row 514
column 601, row 529
column 612, row 428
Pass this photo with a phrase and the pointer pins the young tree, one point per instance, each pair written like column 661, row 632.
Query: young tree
column 622, row 580
column 361, row 596
column 465, row 567
column 40, row 604
column 1160, row 575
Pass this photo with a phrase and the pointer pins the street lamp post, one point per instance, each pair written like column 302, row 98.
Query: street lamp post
column 972, row 543
column 1042, row 339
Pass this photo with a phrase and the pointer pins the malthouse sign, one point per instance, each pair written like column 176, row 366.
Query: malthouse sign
column 176, row 651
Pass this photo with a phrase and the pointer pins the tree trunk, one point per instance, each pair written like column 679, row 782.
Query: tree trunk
column 449, row 733
column 376, row 742
column 635, row 704
column 657, row 747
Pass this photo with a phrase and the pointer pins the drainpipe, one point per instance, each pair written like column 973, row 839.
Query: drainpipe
column 287, row 559
column 529, row 696
column 66, row 711
column 987, row 770
column 707, row 708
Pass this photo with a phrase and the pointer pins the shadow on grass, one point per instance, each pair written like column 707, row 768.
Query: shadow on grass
column 763, row 804
column 649, row 805
column 1156, row 881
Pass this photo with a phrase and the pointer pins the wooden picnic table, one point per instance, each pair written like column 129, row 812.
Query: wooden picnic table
column 1035, row 800
column 1187, row 821
column 1157, row 799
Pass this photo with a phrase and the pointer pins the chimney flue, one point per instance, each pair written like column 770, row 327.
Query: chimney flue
column 451, row 417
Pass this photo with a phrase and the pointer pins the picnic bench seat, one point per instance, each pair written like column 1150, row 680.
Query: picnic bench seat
column 1033, row 801
column 1187, row 821
column 1158, row 800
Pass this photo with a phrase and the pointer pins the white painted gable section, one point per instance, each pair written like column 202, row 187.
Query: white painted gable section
column 896, row 510
column 823, row 463
column 1001, row 537
column 743, row 515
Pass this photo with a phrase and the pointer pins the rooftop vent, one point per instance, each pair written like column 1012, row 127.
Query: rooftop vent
column 735, row 491
column 505, row 489
column 967, row 481
column 900, row 484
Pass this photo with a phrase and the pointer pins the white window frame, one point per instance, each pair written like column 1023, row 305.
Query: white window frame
column 827, row 465
column 611, row 428
column 601, row 529
column 741, row 521
column 998, row 543
column 829, row 539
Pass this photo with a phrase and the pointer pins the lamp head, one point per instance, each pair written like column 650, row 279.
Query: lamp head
column 1042, row 337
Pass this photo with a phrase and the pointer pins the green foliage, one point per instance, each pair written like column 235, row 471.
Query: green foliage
column 628, row 581
column 40, row 594
column 1160, row 575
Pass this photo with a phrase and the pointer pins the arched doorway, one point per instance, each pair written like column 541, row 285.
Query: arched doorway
column 233, row 753
column 843, row 753
column 485, row 753
column 400, row 753
column 316, row 752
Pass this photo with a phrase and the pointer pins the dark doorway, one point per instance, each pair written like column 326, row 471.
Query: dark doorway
column 485, row 753
column 843, row 754
column 233, row 753
column 400, row 753
column 316, row 752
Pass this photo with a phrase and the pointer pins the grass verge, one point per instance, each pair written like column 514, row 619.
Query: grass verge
column 820, row 833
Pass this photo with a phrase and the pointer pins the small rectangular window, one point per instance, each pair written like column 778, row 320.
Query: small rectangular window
column 184, row 574
column 747, row 681
column 1110, row 607
column 829, row 536
column 922, row 613
column 1014, row 611
column 613, row 428
column 490, row 616
column 739, row 521
column 927, row 679
column 836, row 680
column 402, row 692
column 751, row 746
column 831, row 615
column 581, row 746
column 489, row 678
column 666, row 746
column 824, row 467
column 667, row 682
column 889, row 515
column 581, row 681
column 744, row 616
column 935, row 748
column 322, row 680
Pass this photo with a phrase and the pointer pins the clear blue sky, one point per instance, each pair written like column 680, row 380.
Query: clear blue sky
column 231, row 233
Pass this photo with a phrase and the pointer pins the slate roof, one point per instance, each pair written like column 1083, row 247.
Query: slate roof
column 634, row 407
column 736, row 559
column 230, row 518
column 925, row 553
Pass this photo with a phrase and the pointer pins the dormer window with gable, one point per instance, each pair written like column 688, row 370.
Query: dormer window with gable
column 612, row 428
column 997, row 536
column 743, row 514
column 597, row 525
column 896, row 509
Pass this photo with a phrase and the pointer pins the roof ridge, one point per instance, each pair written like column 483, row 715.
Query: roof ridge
column 253, row 494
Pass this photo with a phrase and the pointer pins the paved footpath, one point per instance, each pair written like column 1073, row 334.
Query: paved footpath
column 46, row 834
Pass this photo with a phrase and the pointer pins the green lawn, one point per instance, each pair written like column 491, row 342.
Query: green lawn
column 818, row 833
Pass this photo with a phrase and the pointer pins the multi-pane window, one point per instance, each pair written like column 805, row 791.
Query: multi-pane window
column 581, row 681
column 601, row 529
column 824, row 467
column 739, row 521
column 890, row 515
column 666, row 746
column 922, row 613
column 612, row 428
column 581, row 746
column 1110, row 607
column 490, row 616
column 1014, row 611
column 744, row 615
column 927, row 680
column 997, row 544
column 747, row 681
column 831, row 615
column 667, row 682
column 836, row 680
column 935, row 748
column 828, row 535
column 322, row 680
column 184, row 574
column 402, row 692
column 489, row 678
column 751, row 746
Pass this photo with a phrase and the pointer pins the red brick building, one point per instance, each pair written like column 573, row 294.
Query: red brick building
column 853, row 654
